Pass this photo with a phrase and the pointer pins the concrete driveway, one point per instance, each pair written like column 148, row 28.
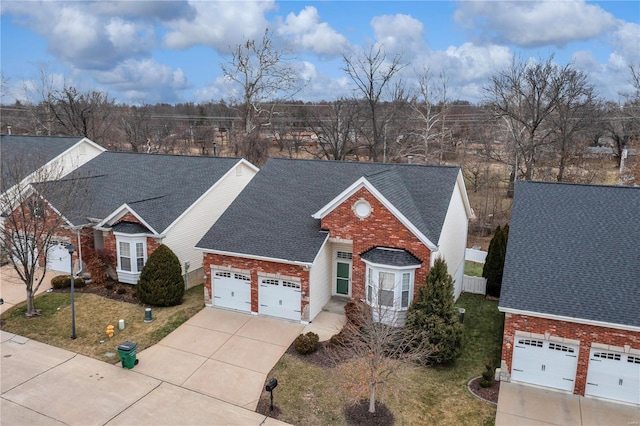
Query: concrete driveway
column 529, row 405
column 13, row 290
column 222, row 354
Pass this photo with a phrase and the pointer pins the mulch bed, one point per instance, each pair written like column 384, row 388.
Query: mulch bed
column 359, row 415
column 118, row 291
column 487, row 394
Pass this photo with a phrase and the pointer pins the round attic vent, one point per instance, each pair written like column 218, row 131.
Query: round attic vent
column 362, row 208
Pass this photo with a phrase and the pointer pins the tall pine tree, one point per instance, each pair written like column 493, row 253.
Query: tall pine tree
column 494, row 263
column 432, row 316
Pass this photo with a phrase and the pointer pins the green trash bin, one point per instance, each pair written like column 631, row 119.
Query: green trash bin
column 127, row 352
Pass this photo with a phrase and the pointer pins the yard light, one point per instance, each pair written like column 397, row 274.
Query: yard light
column 271, row 385
column 71, row 248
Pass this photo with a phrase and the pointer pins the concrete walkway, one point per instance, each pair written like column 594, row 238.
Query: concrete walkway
column 529, row 405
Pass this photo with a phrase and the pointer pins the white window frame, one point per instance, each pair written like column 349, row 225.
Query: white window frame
column 133, row 242
column 373, row 279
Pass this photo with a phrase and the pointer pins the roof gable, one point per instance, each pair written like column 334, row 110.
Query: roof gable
column 273, row 216
column 573, row 252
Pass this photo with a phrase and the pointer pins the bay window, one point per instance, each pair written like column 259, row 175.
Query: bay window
column 132, row 256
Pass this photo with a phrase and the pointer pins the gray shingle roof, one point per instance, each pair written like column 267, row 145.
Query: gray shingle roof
column 22, row 155
column 272, row 216
column 157, row 187
column 391, row 257
column 574, row 251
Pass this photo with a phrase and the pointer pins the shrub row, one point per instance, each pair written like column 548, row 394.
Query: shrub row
column 64, row 281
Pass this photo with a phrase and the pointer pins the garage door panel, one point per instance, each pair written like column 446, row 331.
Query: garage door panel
column 232, row 290
column 280, row 298
column 614, row 375
column 58, row 258
column 544, row 363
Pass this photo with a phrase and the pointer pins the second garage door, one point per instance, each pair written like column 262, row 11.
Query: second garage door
column 58, row 258
column 231, row 290
column 279, row 298
column 544, row 363
column 614, row 375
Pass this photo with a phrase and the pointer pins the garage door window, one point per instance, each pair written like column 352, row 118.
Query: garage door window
column 607, row 355
column 528, row 342
column 561, row 348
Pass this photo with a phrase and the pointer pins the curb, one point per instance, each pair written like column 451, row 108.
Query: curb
column 476, row 395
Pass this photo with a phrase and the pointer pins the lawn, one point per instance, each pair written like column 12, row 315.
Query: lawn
column 473, row 269
column 93, row 314
column 309, row 395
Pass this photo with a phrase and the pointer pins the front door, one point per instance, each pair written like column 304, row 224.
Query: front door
column 343, row 273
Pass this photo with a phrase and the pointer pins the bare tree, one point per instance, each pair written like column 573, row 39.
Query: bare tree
column 575, row 113
column 82, row 114
column 336, row 124
column 373, row 73
column 264, row 71
column 136, row 124
column 29, row 223
column 522, row 99
column 375, row 347
column 429, row 106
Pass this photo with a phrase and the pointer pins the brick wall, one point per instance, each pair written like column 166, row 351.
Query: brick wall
column 586, row 334
column 380, row 228
column 256, row 267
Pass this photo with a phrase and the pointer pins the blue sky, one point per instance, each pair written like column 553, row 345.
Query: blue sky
column 170, row 51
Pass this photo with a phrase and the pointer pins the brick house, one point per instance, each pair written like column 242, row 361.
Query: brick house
column 130, row 203
column 304, row 231
column 571, row 290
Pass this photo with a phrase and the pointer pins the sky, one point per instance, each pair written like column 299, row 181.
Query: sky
column 170, row 51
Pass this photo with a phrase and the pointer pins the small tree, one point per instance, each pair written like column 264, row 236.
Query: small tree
column 433, row 318
column 161, row 282
column 494, row 263
column 374, row 351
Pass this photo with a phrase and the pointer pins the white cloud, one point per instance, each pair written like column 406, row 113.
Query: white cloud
column 534, row 24
column 308, row 32
column 398, row 33
column 219, row 24
column 626, row 41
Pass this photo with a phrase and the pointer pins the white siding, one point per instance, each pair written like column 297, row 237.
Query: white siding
column 78, row 155
column 453, row 238
column 320, row 281
column 184, row 234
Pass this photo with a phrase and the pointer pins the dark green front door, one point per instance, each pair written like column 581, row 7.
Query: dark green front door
column 343, row 278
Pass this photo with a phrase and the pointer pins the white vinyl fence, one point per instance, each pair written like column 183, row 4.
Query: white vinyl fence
column 474, row 255
column 474, row 285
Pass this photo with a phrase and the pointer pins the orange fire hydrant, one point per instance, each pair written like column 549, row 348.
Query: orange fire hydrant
column 110, row 330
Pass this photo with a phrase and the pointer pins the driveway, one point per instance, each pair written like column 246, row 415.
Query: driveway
column 529, row 405
column 222, row 354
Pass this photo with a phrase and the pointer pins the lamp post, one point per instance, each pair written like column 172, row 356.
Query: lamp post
column 71, row 248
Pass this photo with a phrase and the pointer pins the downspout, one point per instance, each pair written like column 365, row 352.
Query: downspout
column 79, row 249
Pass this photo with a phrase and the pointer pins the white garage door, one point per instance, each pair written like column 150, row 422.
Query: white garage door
column 231, row 290
column 58, row 258
column 279, row 298
column 614, row 375
column 544, row 363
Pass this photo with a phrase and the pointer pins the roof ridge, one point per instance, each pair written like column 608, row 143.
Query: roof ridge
column 586, row 185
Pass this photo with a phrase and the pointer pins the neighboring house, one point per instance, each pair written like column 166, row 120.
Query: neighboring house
column 132, row 203
column 28, row 159
column 571, row 289
column 23, row 156
column 304, row 231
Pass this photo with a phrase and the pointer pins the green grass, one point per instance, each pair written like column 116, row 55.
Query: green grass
column 473, row 269
column 93, row 314
column 309, row 395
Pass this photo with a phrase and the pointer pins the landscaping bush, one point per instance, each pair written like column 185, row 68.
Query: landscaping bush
column 494, row 263
column 357, row 312
column 487, row 377
column 64, row 281
column 338, row 339
column 306, row 344
column 161, row 282
column 122, row 290
column 98, row 265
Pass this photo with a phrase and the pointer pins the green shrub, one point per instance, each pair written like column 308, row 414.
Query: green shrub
column 161, row 282
column 487, row 377
column 338, row 339
column 494, row 263
column 306, row 344
column 64, row 281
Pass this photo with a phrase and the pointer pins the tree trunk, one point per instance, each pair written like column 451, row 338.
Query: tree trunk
column 372, row 398
column 31, row 308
